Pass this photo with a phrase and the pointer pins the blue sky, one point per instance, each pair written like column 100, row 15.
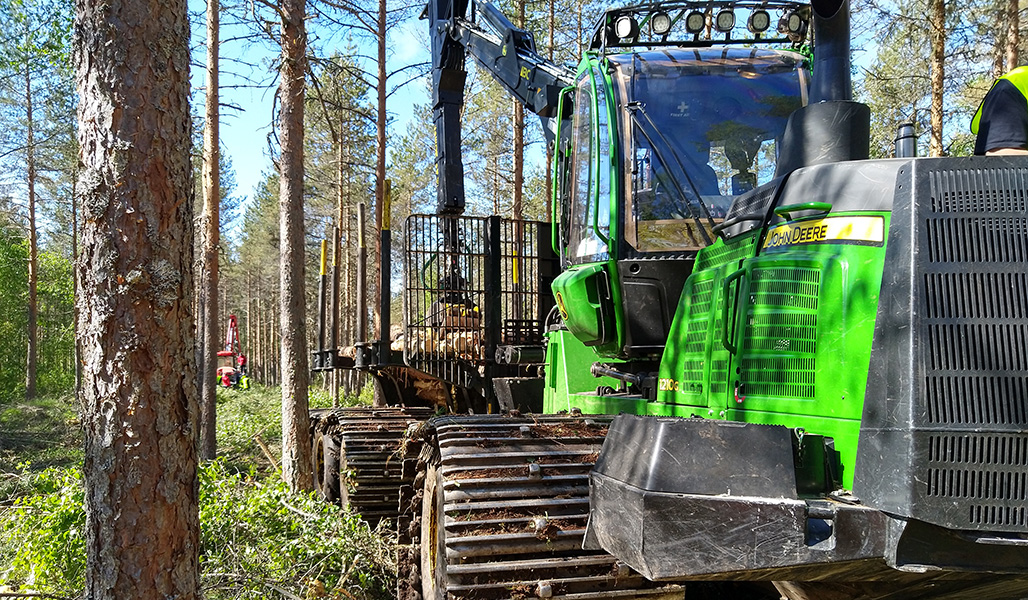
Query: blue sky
column 244, row 132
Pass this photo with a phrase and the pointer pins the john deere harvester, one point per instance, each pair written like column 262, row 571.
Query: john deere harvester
column 772, row 367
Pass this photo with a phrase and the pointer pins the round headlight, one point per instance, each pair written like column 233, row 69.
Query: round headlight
column 695, row 22
column 626, row 27
column 793, row 24
column 725, row 21
column 759, row 21
column 661, row 23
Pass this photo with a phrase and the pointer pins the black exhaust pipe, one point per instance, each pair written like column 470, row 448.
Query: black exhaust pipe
column 832, row 80
column 832, row 127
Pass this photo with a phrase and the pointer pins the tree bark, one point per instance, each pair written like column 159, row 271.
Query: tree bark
column 135, row 321
column 32, row 354
column 1013, row 33
column 212, row 221
column 296, row 447
column 938, row 73
column 381, row 325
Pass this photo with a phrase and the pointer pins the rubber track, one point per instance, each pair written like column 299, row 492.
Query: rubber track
column 516, row 501
column 370, row 444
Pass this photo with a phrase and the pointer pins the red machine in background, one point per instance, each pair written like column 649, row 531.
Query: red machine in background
column 231, row 361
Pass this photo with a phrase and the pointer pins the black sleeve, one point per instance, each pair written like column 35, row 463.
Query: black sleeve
column 1004, row 122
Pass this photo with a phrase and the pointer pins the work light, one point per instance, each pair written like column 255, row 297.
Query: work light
column 725, row 21
column 661, row 23
column 695, row 22
column 759, row 21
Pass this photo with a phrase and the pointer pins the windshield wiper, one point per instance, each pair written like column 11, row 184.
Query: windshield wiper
column 657, row 141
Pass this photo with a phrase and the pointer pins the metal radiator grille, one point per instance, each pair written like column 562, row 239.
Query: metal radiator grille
column 779, row 347
column 979, row 190
column 986, row 473
column 696, row 333
column 973, row 301
column 717, row 255
column 962, row 400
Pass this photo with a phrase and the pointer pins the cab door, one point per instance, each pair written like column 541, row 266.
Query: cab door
column 586, row 292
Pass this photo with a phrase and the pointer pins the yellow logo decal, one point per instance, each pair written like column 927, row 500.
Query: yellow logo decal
column 560, row 306
column 524, row 72
column 854, row 230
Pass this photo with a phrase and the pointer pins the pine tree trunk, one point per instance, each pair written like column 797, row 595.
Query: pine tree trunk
column 211, row 219
column 32, row 355
column 1013, row 33
column 938, row 73
column 517, row 205
column 296, row 447
column 77, row 354
column 135, row 316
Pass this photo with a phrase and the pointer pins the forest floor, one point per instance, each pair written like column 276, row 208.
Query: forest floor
column 258, row 540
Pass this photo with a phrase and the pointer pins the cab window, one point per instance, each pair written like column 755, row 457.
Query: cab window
column 589, row 215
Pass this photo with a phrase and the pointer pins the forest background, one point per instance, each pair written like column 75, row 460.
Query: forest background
column 924, row 61
column 906, row 47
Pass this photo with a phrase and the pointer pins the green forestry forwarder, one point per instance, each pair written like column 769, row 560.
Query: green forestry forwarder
column 807, row 370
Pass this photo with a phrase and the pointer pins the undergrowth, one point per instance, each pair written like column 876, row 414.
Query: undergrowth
column 258, row 540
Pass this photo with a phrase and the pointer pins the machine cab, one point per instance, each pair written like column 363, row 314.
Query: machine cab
column 661, row 143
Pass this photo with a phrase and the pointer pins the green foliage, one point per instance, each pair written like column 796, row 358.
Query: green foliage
column 42, row 533
column 322, row 398
column 55, row 371
column 14, row 257
column 45, row 434
column 256, row 528
column 242, row 416
column 56, row 305
column 256, row 538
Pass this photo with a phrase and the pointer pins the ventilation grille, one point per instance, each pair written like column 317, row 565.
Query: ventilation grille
column 985, row 474
column 719, row 254
column 978, row 240
column 978, row 347
column 972, row 308
column 698, row 319
column 778, row 377
column 694, row 347
column 964, row 400
column 782, row 332
column 791, row 287
column 976, row 295
column 979, row 190
column 779, row 346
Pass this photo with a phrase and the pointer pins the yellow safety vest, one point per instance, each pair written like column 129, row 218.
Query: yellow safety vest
column 1018, row 77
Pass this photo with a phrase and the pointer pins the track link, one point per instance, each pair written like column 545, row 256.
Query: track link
column 503, row 513
column 357, row 457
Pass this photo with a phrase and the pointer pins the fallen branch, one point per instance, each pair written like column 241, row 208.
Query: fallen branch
column 298, row 511
column 265, row 449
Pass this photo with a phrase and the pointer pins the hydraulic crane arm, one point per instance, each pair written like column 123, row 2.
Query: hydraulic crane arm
column 508, row 54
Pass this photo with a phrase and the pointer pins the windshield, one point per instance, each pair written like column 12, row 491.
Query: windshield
column 701, row 127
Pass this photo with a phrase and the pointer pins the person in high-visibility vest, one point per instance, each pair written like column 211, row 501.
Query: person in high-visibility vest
column 1001, row 122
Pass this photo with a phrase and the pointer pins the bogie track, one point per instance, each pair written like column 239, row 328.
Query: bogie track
column 503, row 513
column 357, row 457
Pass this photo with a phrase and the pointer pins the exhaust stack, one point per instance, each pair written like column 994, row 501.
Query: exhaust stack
column 832, row 127
column 831, row 79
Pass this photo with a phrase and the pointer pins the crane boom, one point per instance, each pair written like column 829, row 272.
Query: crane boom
column 509, row 54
